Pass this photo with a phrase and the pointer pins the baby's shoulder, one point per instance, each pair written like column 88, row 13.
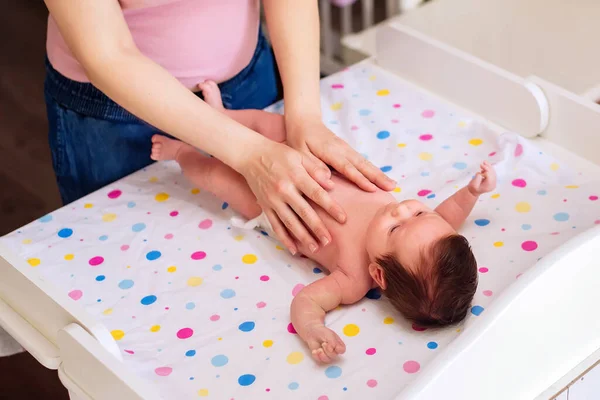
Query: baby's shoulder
column 359, row 282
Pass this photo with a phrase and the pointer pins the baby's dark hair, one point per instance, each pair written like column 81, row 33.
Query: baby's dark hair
column 441, row 294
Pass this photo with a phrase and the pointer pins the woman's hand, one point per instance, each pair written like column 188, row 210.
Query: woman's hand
column 279, row 176
column 317, row 143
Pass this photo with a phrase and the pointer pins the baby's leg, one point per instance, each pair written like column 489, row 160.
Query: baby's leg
column 209, row 174
column 269, row 125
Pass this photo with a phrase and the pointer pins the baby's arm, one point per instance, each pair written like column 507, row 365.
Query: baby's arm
column 309, row 308
column 456, row 208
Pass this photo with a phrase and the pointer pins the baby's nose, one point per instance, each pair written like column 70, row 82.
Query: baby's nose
column 399, row 210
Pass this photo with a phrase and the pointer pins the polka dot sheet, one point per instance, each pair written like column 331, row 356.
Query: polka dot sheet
column 201, row 309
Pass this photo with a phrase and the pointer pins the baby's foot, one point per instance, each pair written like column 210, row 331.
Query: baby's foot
column 212, row 94
column 164, row 148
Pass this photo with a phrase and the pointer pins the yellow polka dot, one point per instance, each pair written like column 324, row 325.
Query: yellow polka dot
column 571, row 187
column 69, row 257
column 495, row 196
column 162, row 196
column 372, row 78
column 462, row 124
column 88, row 205
column 278, row 247
column 117, row 334
column 295, row 357
column 203, row 392
column 129, row 266
column 238, row 238
column 458, row 330
column 26, row 241
column 109, row 217
column 108, row 311
column 388, row 320
column 475, row 142
column 426, row 156
column 172, row 268
column 195, row 191
column 401, row 145
column 523, row 207
column 383, row 92
column 397, row 190
column 155, row 328
column 153, row 179
column 194, row 281
column 249, row 259
column 268, row 343
column 34, row 262
column 351, row 330
column 336, row 106
column 498, row 244
column 220, row 338
column 554, row 166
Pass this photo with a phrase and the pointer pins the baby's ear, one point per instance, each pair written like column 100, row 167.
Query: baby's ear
column 377, row 274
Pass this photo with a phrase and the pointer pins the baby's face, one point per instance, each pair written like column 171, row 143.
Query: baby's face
column 405, row 229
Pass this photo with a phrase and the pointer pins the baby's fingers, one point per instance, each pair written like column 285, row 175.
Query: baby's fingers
column 320, row 356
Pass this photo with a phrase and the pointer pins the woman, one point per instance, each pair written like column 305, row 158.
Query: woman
column 119, row 70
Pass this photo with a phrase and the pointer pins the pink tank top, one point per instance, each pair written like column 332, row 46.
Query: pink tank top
column 194, row 40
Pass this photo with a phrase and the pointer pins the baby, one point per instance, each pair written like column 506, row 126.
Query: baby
column 413, row 253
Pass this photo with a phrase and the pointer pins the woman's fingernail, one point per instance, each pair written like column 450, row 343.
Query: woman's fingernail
column 341, row 217
column 292, row 250
column 324, row 240
column 313, row 247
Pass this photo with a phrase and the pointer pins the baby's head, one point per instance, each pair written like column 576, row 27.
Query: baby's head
column 425, row 268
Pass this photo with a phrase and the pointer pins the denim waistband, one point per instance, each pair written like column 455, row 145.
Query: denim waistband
column 86, row 99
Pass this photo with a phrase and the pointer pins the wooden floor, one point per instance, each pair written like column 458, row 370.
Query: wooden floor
column 27, row 186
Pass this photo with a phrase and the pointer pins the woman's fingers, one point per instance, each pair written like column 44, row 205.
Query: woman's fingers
column 294, row 226
column 308, row 215
column 280, row 231
column 316, row 193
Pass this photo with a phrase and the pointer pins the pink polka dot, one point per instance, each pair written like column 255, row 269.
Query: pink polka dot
column 205, row 224
column 96, row 261
column 185, row 333
column 487, row 293
column 75, row 294
column 163, row 371
column 370, row 351
column 267, row 389
column 519, row 183
column 397, row 105
column 597, row 222
column 297, row 289
column 555, row 233
column 395, row 121
column 492, row 154
column 519, row 275
column 425, row 137
column 518, row 150
column 174, row 213
column 411, row 367
column 215, row 317
column 371, row 383
column 264, row 278
column 593, row 198
column 353, row 127
column 323, row 398
column 261, row 304
column 291, row 329
column 529, row 245
column 125, row 247
column 418, row 328
column 423, row 192
column 198, row 255
column 129, row 351
column 428, row 114
column 169, row 236
column 337, row 86
column 114, row 194
column 483, row 270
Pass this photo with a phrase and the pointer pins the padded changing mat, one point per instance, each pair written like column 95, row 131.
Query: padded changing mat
column 202, row 309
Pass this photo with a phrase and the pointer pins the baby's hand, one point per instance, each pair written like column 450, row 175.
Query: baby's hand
column 324, row 344
column 484, row 181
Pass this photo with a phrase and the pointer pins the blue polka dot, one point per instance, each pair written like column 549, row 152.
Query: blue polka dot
column 126, row 284
column 459, row 165
column 103, row 238
column 100, row 278
column 344, row 389
column 542, row 192
column 46, row 218
column 333, row 372
column 190, row 353
column 148, row 300
column 364, row 112
column 386, row 168
column 228, row 293
column 526, row 227
column 247, row 326
column 246, row 380
column 153, row 255
column 431, row 196
column 561, row 217
column 217, row 267
column 424, row 173
column 65, row 232
column 477, row 310
column 140, row 226
column 264, row 233
column 219, row 361
column 131, row 204
column 482, row 222
column 373, row 294
column 224, row 205
column 445, row 147
column 190, row 306
column 365, row 156
column 293, row 386
column 432, row 345
column 383, row 135
column 317, row 270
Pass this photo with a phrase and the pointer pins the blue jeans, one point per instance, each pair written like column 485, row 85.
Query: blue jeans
column 94, row 141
